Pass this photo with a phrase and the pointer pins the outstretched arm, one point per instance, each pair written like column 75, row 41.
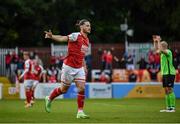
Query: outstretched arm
column 58, row 38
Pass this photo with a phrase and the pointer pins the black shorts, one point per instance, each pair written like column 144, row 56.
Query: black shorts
column 168, row 80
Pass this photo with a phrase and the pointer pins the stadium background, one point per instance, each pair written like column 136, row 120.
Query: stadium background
column 124, row 27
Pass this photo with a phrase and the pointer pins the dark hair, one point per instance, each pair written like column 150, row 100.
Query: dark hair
column 26, row 53
column 81, row 22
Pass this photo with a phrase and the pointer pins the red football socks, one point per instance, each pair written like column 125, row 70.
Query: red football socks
column 32, row 94
column 28, row 96
column 80, row 100
column 56, row 92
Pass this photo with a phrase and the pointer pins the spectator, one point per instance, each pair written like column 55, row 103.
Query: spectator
column 14, row 61
column 8, row 62
column 104, row 77
column 52, row 75
column 88, row 60
column 176, row 60
column 132, row 76
column 109, row 59
column 177, row 75
column 178, row 57
column 103, row 59
column 53, row 60
column 20, row 64
column 122, row 63
column 130, row 63
column 142, row 63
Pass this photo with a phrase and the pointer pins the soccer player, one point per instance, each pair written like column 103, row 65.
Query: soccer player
column 74, row 67
column 28, row 78
column 168, row 72
column 38, row 70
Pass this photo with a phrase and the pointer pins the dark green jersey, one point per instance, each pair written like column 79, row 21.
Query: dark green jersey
column 167, row 63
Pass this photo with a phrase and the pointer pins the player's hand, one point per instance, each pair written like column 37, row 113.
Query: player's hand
column 48, row 34
column 86, row 70
column 20, row 78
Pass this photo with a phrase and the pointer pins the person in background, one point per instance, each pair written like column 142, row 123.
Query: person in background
column 142, row 63
column 109, row 60
column 38, row 70
column 52, row 74
column 132, row 76
column 103, row 59
column 130, row 62
column 28, row 76
column 104, row 77
column 8, row 62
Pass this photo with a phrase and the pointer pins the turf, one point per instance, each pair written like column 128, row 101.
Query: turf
column 100, row 111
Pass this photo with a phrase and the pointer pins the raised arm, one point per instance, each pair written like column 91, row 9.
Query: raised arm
column 58, row 38
column 156, row 40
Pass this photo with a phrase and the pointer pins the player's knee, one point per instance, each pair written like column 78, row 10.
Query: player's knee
column 63, row 90
column 81, row 89
column 168, row 90
column 27, row 88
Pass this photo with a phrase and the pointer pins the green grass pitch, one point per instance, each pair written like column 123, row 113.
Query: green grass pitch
column 100, row 111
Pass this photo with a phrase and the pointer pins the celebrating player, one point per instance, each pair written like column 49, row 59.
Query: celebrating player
column 38, row 70
column 73, row 69
column 168, row 72
column 28, row 75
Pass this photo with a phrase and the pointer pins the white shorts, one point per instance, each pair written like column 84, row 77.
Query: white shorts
column 28, row 83
column 35, row 83
column 70, row 74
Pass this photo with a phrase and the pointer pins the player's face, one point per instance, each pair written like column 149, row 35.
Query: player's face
column 162, row 47
column 35, row 62
column 25, row 57
column 86, row 27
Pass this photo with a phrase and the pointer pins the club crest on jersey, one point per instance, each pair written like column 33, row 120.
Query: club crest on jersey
column 84, row 49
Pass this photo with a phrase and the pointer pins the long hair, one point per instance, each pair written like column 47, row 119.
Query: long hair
column 81, row 22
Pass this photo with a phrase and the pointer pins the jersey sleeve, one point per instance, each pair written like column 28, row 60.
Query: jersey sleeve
column 26, row 65
column 73, row 37
column 169, row 52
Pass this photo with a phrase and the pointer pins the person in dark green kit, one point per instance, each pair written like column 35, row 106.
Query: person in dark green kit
column 168, row 72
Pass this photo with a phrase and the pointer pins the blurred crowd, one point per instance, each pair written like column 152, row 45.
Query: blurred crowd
column 127, row 62
column 15, row 67
column 52, row 73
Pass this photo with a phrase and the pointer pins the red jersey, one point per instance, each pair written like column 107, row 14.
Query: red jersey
column 8, row 59
column 103, row 57
column 109, row 58
column 157, row 58
column 77, row 47
column 29, row 67
column 38, row 69
column 52, row 76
